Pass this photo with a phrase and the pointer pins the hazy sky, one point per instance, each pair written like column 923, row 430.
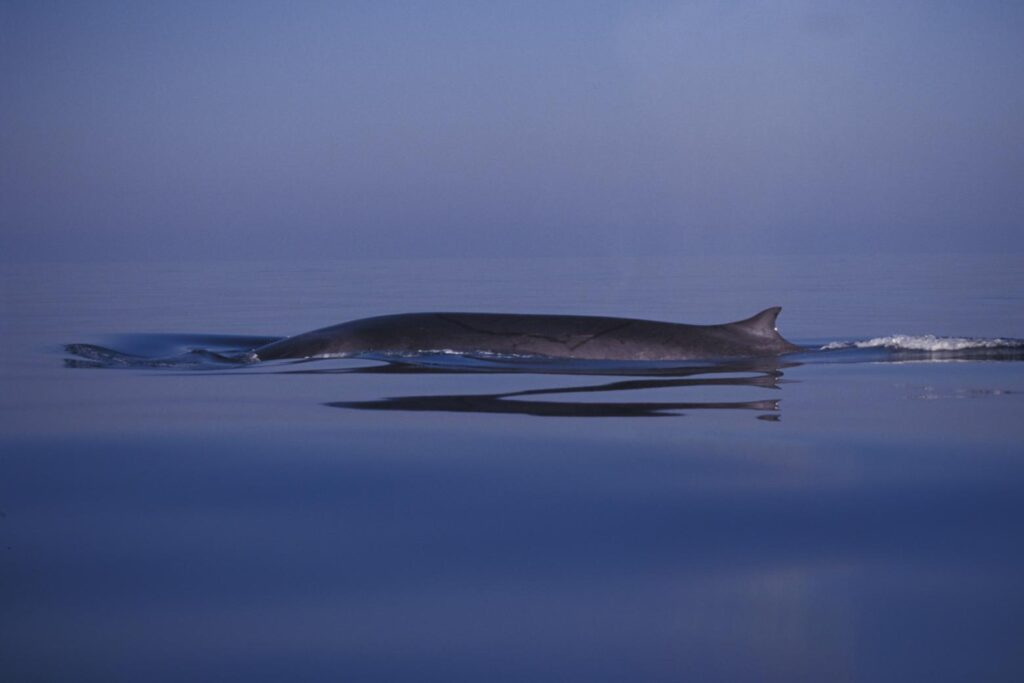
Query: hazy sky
column 295, row 129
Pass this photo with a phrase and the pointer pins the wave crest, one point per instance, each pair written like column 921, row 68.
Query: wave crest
column 927, row 342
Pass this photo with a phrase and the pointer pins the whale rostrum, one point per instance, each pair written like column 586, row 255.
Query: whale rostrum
column 554, row 336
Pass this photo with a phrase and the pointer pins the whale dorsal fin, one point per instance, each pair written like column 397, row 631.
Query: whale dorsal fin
column 761, row 324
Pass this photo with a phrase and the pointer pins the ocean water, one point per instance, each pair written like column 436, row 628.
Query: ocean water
column 851, row 513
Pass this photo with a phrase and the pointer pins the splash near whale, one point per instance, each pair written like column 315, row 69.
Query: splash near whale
column 554, row 336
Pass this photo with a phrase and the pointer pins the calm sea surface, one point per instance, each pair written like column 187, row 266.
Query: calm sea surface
column 847, row 515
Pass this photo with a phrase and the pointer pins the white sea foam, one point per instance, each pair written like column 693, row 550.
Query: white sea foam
column 927, row 342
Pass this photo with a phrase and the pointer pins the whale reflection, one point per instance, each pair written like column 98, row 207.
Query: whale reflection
column 761, row 374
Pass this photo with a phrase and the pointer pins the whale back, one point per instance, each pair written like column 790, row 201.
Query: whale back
column 561, row 336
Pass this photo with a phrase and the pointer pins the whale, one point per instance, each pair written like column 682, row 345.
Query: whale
column 571, row 337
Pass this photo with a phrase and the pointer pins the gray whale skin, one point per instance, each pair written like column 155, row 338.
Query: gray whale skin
column 555, row 336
